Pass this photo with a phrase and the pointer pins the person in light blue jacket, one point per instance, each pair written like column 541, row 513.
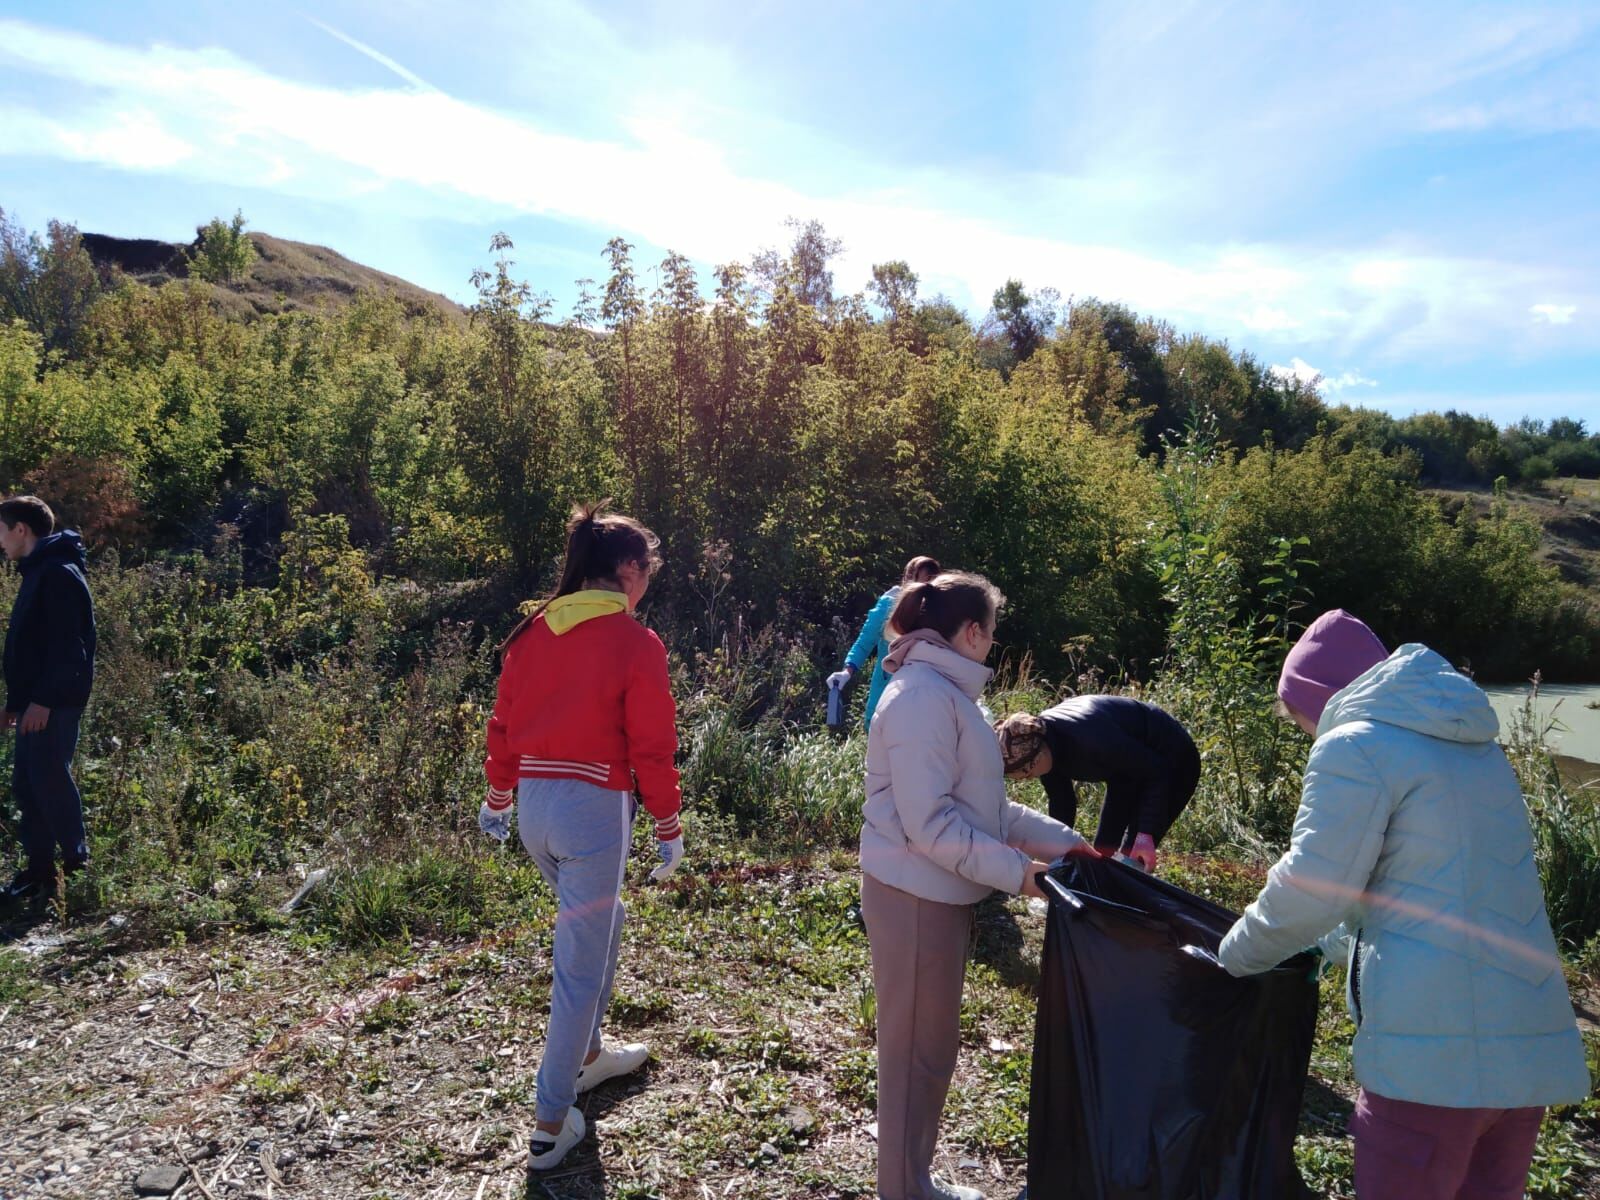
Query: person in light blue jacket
column 874, row 637
column 1412, row 858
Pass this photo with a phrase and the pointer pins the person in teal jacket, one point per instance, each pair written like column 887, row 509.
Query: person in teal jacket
column 874, row 639
column 1412, row 858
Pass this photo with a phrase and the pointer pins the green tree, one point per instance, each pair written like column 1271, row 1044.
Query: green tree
column 222, row 251
column 1018, row 323
column 809, row 256
column 894, row 287
column 509, row 418
column 48, row 283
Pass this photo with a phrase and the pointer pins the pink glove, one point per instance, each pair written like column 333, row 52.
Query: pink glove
column 1144, row 853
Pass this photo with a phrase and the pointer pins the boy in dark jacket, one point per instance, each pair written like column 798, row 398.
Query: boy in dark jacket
column 49, row 670
column 1146, row 759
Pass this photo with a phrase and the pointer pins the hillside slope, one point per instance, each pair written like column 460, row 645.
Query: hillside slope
column 1566, row 510
column 286, row 275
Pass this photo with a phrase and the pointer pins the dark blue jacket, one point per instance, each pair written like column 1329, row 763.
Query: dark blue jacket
column 1111, row 739
column 50, row 641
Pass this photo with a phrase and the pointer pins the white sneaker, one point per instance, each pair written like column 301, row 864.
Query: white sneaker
column 623, row 1060
column 943, row 1189
column 546, row 1150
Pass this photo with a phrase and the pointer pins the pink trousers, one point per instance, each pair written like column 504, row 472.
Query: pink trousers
column 1408, row 1151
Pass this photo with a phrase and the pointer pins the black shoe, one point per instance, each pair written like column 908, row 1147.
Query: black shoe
column 29, row 885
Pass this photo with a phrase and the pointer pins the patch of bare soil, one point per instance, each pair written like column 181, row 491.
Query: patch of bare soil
column 268, row 1066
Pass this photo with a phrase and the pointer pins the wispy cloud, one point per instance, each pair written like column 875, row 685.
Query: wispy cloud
column 209, row 115
column 1347, row 379
column 1554, row 314
column 377, row 56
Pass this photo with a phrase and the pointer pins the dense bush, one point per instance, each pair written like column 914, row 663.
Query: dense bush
column 307, row 527
column 805, row 444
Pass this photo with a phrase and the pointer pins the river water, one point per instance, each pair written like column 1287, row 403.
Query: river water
column 1572, row 711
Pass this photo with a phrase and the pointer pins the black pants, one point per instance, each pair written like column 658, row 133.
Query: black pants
column 47, row 796
column 1121, row 814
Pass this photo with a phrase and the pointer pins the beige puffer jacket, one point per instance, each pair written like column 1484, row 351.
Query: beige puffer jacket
column 937, row 822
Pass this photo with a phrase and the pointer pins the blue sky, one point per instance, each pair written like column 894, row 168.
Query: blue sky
column 1400, row 198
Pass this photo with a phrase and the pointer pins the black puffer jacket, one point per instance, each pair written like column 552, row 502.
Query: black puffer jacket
column 50, row 641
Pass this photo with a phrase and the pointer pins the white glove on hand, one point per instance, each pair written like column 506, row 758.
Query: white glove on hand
column 839, row 678
column 494, row 817
column 671, row 856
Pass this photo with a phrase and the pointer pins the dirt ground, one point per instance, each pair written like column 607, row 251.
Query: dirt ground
column 269, row 1066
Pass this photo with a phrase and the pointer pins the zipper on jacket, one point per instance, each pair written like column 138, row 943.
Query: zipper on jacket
column 1355, row 976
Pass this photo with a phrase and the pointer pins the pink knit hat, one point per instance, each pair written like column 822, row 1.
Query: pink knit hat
column 1330, row 654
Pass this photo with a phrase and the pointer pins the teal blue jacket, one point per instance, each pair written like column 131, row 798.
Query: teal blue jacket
column 1412, row 853
column 873, row 640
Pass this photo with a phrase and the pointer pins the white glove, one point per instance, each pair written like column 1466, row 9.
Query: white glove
column 494, row 817
column 671, row 856
column 840, row 678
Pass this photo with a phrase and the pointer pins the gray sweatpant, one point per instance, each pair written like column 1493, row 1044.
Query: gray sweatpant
column 578, row 834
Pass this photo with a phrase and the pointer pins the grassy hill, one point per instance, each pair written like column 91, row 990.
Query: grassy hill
column 1567, row 510
column 285, row 276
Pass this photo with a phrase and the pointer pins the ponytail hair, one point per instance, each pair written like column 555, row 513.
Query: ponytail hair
column 945, row 603
column 598, row 543
column 918, row 568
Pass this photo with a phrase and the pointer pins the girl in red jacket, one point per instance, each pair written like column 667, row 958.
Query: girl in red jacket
column 583, row 716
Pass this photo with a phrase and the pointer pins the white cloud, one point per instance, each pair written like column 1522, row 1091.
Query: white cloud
column 1298, row 370
column 1347, row 379
column 1303, row 372
column 1554, row 314
column 134, row 140
column 208, row 115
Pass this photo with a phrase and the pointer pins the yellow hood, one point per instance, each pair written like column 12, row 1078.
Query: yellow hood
column 569, row 611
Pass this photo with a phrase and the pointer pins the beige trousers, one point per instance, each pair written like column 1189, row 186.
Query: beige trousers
column 919, row 962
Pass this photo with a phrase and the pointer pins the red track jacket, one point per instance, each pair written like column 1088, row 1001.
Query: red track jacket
column 589, row 702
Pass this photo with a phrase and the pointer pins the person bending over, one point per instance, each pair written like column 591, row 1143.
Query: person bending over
column 1146, row 759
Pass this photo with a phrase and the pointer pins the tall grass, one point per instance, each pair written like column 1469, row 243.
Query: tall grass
column 238, row 735
column 1566, row 831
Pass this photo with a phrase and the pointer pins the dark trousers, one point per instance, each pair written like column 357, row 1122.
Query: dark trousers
column 47, row 796
column 1121, row 816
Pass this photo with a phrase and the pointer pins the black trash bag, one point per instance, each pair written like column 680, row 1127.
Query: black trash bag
column 1156, row 1074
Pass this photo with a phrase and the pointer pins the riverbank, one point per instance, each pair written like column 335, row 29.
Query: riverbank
column 1565, row 716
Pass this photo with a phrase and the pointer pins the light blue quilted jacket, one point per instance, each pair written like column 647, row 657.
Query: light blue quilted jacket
column 1412, row 848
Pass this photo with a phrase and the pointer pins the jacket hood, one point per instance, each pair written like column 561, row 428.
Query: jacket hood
column 568, row 612
column 928, row 647
column 64, row 547
column 1416, row 689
